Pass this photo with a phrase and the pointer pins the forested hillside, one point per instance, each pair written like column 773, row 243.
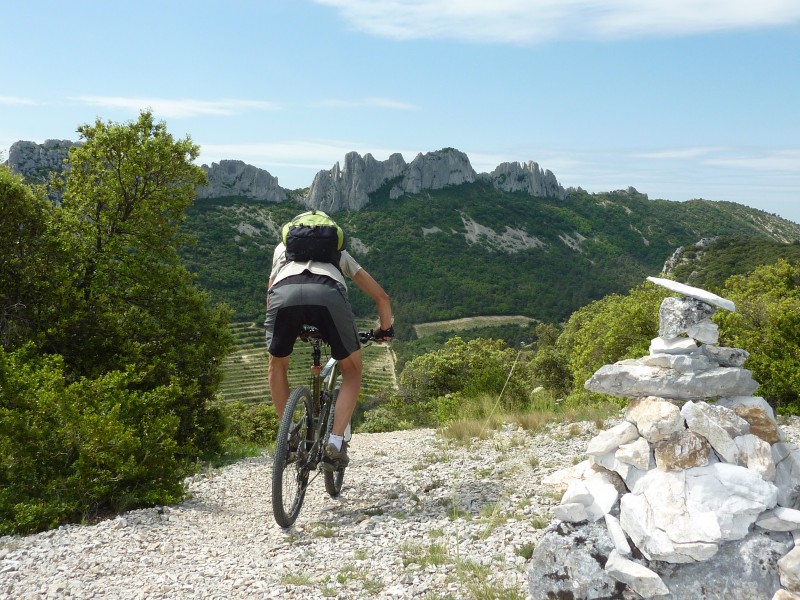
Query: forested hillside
column 474, row 250
column 710, row 266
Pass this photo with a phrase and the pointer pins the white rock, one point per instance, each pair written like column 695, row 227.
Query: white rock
column 561, row 478
column 665, row 492
column 683, row 363
column 756, row 454
column 577, row 493
column 598, row 494
column 617, row 535
column 636, row 519
column 787, row 473
column 704, row 332
column 639, row 578
column 610, row 439
column 572, row 512
column 780, row 519
column 655, row 418
column 719, row 425
column 635, row 453
column 604, row 493
column 789, row 570
column 735, row 495
column 680, row 346
column 694, row 292
column 629, row 379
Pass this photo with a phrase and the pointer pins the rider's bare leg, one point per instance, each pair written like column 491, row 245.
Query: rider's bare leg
column 348, row 393
column 279, row 382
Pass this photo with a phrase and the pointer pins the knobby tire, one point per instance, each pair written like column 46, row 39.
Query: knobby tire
column 290, row 473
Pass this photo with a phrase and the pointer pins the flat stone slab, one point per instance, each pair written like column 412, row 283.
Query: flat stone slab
column 694, row 292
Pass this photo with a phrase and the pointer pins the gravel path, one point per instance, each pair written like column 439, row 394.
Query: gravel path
column 419, row 517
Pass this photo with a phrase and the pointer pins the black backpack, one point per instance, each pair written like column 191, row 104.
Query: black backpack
column 313, row 235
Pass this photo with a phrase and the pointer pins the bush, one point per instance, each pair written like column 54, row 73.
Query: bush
column 767, row 324
column 250, row 423
column 379, row 420
column 73, row 451
column 438, row 382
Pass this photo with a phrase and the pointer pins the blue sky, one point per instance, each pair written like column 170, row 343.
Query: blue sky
column 680, row 99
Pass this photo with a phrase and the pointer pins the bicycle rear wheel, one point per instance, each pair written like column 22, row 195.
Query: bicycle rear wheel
column 333, row 482
column 334, row 479
column 290, row 470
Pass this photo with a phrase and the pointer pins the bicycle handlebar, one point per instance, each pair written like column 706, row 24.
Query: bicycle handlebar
column 309, row 332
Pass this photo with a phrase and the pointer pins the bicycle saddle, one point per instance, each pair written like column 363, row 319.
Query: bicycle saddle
column 308, row 332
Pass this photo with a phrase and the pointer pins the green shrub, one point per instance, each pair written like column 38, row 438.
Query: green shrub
column 73, row 451
column 251, row 423
column 378, row 420
column 767, row 324
column 439, row 382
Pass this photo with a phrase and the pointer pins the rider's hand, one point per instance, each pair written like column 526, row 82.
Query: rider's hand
column 384, row 335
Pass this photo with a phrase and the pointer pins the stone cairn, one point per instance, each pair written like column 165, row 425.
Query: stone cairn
column 695, row 494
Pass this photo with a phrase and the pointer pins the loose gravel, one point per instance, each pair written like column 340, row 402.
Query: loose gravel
column 420, row 516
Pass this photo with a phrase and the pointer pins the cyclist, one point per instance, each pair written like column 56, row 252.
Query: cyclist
column 315, row 293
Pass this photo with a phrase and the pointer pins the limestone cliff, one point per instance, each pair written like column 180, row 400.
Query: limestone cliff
column 35, row 161
column 345, row 187
column 235, row 178
column 528, row 177
column 348, row 187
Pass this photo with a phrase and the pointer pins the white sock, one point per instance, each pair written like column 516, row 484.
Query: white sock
column 336, row 440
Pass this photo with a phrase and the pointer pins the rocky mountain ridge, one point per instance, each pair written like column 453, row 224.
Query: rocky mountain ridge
column 345, row 187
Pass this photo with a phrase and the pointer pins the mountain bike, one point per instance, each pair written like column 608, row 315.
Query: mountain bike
column 303, row 434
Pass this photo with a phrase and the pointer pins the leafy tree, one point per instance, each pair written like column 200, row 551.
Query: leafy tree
column 106, row 392
column 767, row 324
column 131, row 305
column 24, row 258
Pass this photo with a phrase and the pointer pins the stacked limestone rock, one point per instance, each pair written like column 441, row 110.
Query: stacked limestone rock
column 697, row 474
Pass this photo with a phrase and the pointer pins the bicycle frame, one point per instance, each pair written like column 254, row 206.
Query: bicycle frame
column 308, row 415
column 323, row 390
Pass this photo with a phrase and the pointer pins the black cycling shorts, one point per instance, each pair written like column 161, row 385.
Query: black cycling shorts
column 309, row 299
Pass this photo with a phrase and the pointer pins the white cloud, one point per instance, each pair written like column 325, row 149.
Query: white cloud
column 16, row 100
column 729, row 158
column 164, row 107
column 775, row 160
column 536, row 21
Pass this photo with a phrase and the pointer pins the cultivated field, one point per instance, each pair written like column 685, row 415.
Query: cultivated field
column 246, row 367
column 424, row 329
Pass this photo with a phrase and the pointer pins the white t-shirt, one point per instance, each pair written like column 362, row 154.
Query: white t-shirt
column 281, row 268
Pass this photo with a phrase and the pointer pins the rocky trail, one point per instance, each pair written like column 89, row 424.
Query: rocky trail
column 420, row 516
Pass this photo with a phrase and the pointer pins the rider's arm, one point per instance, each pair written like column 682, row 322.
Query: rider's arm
column 372, row 288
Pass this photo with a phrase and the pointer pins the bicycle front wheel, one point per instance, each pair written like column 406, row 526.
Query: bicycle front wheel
column 290, row 470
